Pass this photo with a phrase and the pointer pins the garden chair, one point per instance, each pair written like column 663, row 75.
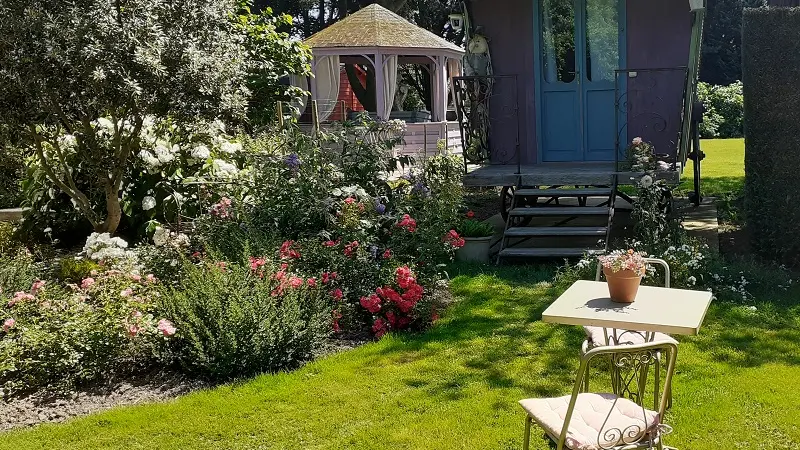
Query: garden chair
column 599, row 336
column 602, row 421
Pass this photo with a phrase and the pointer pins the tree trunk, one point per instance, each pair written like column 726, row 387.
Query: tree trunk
column 364, row 94
column 113, row 210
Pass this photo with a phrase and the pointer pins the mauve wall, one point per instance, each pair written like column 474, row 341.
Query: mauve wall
column 659, row 32
column 509, row 26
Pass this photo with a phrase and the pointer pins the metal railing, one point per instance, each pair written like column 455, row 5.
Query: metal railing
column 488, row 117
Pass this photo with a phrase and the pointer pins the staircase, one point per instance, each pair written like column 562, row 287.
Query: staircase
column 558, row 222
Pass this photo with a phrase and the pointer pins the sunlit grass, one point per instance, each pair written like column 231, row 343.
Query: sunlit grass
column 456, row 386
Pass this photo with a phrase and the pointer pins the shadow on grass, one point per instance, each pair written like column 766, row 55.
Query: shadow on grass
column 494, row 335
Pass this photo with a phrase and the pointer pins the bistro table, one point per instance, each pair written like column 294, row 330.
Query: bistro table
column 656, row 309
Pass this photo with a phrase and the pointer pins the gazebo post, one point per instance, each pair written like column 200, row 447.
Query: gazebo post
column 380, row 98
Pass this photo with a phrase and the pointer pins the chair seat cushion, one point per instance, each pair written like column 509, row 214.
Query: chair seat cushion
column 600, row 421
column 597, row 337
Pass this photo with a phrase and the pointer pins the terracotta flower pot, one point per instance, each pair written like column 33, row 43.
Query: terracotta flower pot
column 475, row 249
column 622, row 285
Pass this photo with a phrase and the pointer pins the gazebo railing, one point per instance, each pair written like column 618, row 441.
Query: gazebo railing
column 488, row 117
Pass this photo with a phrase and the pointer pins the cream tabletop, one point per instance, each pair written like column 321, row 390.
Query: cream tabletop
column 656, row 309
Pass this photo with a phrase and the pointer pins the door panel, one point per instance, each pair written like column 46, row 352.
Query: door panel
column 580, row 49
column 601, row 50
column 560, row 93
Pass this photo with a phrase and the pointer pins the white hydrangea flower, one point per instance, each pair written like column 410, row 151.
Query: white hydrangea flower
column 149, row 160
column 201, row 152
column 148, row 203
column 231, row 147
column 224, row 169
column 164, row 154
column 160, row 236
column 67, row 141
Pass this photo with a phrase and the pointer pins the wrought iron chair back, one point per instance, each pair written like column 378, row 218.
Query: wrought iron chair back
column 633, row 363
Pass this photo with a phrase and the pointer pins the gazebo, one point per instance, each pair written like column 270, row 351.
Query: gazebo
column 382, row 39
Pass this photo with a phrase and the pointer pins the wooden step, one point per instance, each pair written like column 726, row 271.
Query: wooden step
column 556, row 231
column 584, row 192
column 548, row 252
column 560, row 211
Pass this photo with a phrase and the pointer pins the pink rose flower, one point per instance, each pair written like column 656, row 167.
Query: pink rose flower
column 126, row 293
column 8, row 324
column 133, row 330
column 311, row 282
column 295, row 282
column 637, row 141
column 166, row 327
column 150, row 278
column 136, row 278
column 37, row 286
column 87, row 283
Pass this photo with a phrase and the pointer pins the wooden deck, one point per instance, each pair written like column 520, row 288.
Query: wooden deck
column 555, row 174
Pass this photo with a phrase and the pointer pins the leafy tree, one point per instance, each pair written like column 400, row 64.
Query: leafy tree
column 721, row 61
column 67, row 66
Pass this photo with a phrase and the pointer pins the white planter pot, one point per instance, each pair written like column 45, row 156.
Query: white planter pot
column 475, row 250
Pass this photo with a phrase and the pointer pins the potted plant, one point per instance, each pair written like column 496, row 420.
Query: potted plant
column 477, row 240
column 624, row 271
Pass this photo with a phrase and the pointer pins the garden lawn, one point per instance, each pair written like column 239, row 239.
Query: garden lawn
column 722, row 171
column 457, row 385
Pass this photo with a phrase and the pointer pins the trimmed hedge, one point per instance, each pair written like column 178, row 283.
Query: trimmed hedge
column 771, row 75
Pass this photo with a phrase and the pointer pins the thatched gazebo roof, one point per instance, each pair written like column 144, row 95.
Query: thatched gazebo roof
column 375, row 27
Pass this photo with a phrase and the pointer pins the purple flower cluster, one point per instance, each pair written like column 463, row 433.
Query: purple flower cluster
column 293, row 162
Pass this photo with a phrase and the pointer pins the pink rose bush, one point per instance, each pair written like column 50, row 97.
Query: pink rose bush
column 60, row 334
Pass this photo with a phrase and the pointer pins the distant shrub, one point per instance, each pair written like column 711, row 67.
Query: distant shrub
column 74, row 270
column 724, row 110
column 238, row 320
column 771, row 58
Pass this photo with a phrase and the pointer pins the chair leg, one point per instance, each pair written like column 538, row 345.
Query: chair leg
column 526, row 443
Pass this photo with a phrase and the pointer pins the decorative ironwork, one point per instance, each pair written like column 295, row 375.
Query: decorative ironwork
column 487, row 108
column 649, row 104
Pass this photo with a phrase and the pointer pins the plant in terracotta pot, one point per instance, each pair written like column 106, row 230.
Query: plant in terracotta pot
column 477, row 240
column 624, row 270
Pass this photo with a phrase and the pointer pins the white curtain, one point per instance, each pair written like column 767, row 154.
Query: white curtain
column 389, row 84
column 327, row 80
column 299, row 104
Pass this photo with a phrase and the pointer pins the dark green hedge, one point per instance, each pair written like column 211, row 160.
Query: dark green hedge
column 771, row 77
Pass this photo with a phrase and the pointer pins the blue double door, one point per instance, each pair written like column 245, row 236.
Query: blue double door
column 580, row 45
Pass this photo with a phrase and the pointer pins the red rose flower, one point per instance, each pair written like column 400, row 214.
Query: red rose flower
column 387, row 254
column 470, row 214
column 337, row 294
column 408, row 224
column 405, row 277
column 371, row 303
column 288, row 252
column 379, row 328
column 350, row 248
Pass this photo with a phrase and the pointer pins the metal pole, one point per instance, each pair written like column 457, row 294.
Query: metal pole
column 280, row 115
column 315, row 117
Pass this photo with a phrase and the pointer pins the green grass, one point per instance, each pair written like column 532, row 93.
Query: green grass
column 722, row 171
column 456, row 386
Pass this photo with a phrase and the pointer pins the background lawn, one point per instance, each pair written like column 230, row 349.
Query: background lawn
column 456, row 386
column 722, row 171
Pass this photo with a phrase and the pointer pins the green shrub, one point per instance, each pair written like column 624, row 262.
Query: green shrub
column 475, row 229
column 235, row 321
column 724, row 110
column 12, row 170
column 74, row 270
column 56, row 337
column 771, row 58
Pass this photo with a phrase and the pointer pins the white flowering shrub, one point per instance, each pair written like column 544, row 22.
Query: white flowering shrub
column 176, row 173
column 111, row 252
column 78, row 81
